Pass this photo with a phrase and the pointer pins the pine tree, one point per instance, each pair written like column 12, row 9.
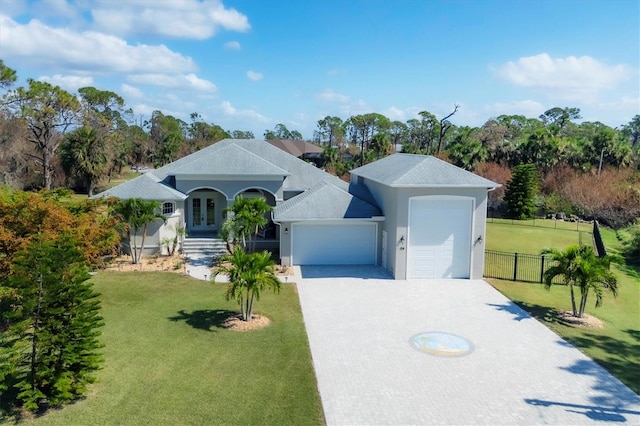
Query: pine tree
column 521, row 191
column 50, row 347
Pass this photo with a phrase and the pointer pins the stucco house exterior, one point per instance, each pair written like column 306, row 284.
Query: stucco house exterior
column 415, row 215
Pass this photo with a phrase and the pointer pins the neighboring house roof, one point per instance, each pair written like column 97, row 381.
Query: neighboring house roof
column 230, row 160
column 146, row 186
column 413, row 170
column 295, row 148
column 324, row 202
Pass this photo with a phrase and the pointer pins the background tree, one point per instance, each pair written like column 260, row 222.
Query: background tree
column 631, row 248
column 445, row 126
column 201, row 134
column 166, row 136
column 521, row 191
column 330, row 132
column 465, row 150
column 138, row 214
column 48, row 112
column 249, row 274
column 579, row 266
column 83, row 156
column 8, row 76
column 240, row 134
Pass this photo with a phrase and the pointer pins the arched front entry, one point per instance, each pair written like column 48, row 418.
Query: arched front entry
column 204, row 211
column 269, row 231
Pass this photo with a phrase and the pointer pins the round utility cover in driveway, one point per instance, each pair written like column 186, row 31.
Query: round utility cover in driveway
column 439, row 243
column 351, row 243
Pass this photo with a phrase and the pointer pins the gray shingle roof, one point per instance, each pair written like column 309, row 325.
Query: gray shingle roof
column 302, row 175
column 146, row 186
column 324, row 202
column 420, row 170
column 230, row 160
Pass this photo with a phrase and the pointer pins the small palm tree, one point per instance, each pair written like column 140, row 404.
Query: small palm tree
column 138, row 213
column 249, row 274
column 579, row 266
column 245, row 217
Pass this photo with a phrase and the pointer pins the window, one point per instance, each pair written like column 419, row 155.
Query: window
column 168, row 208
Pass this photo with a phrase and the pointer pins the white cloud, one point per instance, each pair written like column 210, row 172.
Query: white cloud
column 59, row 8
column 131, row 91
column 394, row 113
column 335, row 72
column 227, row 109
column 189, row 19
column 70, row 83
column 232, row 45
column 331, row 96
column 255, row 76
column 70, row 50
column 571, row 78
column 174, row 81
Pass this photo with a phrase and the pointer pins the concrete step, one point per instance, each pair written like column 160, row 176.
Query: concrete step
column 203, row 248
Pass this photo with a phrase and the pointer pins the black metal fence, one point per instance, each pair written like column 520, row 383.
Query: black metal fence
column 517, row 266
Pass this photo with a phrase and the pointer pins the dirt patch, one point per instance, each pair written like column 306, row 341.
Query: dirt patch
column 156, row 263
column 236, row 323
column 566, row 317
column 175, row 263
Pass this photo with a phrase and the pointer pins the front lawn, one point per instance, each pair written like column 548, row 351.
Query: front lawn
column 616, row 346
column 168, row 361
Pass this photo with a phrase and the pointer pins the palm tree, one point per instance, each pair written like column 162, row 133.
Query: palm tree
column 579, row 266
column 245, row 217
column 138, row 213
column 249, row 274
column 83, row 155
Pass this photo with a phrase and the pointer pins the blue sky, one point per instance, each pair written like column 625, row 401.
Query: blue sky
column 250, row 64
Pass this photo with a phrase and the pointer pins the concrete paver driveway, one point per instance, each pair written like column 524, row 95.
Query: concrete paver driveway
column 497, row 366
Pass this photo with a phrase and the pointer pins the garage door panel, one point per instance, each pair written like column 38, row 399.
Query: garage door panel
column 439, row 239
column 331, row 244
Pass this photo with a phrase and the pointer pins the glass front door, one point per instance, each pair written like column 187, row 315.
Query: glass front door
column 203, row 213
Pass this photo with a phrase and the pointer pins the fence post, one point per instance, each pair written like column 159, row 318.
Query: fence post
column 515, row 266
column 542, row 269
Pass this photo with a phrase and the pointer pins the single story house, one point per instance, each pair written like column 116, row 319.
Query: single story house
column 415, row 215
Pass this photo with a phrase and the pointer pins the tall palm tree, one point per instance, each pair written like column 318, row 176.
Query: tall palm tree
column 249, row 274
column 579, row 266
column 83, row 155
column 138, row 214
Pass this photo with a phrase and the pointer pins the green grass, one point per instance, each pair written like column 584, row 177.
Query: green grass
column 518, row 238
column 168, row 361
column 616, row 346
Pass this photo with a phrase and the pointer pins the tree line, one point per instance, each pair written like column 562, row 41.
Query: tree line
column 50, row 138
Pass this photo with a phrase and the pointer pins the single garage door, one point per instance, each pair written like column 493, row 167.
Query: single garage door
column 334, row 244
column 439, row 242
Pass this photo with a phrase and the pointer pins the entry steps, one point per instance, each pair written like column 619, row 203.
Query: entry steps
column 203, row 248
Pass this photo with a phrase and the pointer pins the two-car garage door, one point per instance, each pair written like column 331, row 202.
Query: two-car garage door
column 439, row 238
column 353, row 243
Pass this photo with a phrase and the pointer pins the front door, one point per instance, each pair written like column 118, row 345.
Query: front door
column 203, row 214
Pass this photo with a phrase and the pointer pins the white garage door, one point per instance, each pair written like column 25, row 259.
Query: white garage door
column 334, row 244
column 439, row 243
